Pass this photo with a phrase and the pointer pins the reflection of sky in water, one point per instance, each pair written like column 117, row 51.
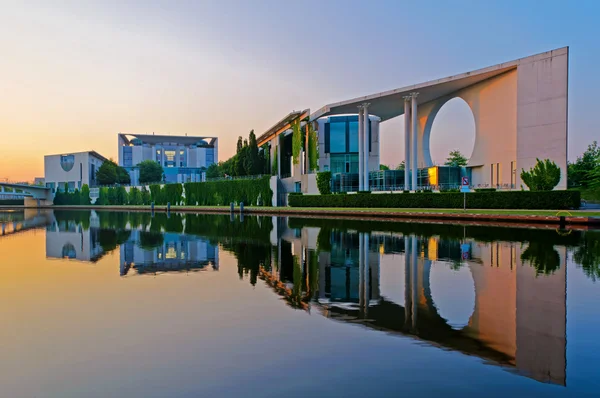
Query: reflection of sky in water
column 71, row 329
column 453, row 293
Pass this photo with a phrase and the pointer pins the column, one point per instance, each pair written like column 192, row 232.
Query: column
column 407, row 147
column 366, row 146
column 361, row 134
column 279, row 156
column 415, row 132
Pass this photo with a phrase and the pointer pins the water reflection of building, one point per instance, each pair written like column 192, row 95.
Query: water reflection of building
column 152, row 252
column 517, row 316
column 69, row 239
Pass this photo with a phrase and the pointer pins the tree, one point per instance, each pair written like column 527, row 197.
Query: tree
column 123, row 176
column 84, row 196
column 313, row 149
column 239, row 145
column 107, row 173
column 150, row 171
column 213, row 171
column 543, row 177
column 579, row 173
column 401, row 166
column 297, row 141
column 384, row 167
column 135, row 197
column 456, row 159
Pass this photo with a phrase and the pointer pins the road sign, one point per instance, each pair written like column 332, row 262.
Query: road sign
column 465, row 181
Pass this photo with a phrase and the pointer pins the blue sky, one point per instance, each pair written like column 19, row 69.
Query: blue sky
column 77, row 73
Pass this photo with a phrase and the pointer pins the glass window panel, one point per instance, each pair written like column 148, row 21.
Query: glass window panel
column 337, row 137
column 353, row 136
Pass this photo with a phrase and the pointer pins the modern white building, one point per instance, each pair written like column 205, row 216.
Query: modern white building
column 520, row 109
column 340, row 140
column 184, row 158
column 72, row 169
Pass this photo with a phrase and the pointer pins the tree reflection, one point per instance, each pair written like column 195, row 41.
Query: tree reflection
column 542, row 256
column 587, row 255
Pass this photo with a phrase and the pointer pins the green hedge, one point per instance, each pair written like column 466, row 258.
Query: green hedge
column 12, row 202
column 475, row 200
column 253, row 192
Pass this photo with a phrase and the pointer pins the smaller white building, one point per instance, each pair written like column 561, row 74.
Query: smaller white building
column 72, row 169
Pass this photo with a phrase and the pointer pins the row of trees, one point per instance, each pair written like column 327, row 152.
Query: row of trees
column 247, row 161
column 73, row 198
column 109, row 173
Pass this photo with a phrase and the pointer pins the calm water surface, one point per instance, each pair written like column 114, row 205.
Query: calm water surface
column 98, row 304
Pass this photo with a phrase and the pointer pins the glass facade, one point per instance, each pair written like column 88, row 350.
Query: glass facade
column 127, row 156
column 341, row 135
column 337, row 137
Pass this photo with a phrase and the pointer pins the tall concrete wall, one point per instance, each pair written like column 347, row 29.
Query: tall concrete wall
column 519, row 116
column 542, row 110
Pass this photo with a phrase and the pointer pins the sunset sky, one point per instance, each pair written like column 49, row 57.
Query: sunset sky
column 73, row 74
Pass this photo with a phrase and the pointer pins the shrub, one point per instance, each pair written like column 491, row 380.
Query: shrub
column 485, row 189
column 475, row 200
column 218, row 193
column 543, row 177
column 135, row 197
column 324, row 182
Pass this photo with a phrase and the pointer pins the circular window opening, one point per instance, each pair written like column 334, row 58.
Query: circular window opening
column 453, row 129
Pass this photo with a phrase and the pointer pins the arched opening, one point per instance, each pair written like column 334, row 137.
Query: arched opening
column 453, row 292
column 453, row 128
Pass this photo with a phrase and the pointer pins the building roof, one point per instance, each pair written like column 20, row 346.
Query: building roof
column 389, row 104
column 159, row 139
column 92, row 153
column 282, row 125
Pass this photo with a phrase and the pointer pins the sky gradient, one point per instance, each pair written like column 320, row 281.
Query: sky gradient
column 74, row 74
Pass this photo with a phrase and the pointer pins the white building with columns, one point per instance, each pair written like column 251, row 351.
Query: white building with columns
column 520, row 110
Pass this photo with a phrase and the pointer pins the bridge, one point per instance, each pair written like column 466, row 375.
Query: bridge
column 15, row 222
column 33, row 195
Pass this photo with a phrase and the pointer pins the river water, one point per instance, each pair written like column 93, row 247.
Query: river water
column 108, row 304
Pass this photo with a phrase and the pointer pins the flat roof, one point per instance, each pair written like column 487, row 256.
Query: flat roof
column 93, row 153
column 282, row 125
column 389, row 104
column 158, row 139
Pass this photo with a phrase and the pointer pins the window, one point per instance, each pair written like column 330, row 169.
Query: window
column 170, row 156
column 513, row 174
column 353, row 136
column 182, row 152
column 498, row 180
column 337, row 137
column 127, row 156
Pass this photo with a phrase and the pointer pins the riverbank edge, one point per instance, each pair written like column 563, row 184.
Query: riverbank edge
column 380, row 214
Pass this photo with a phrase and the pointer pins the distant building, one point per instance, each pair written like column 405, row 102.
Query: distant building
column 72, row 169
column 183, row 158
